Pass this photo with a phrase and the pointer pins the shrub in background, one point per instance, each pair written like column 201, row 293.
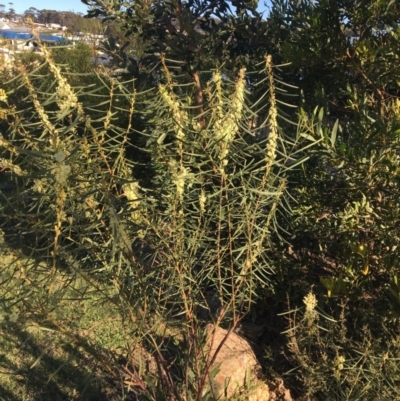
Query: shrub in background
column 331, row 362
column 344, row 245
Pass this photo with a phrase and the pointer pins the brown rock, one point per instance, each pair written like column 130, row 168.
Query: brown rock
column 278, row 392
column 238, row 366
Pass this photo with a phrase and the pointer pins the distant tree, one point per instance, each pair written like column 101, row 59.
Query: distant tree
column 195, row 36
column 49, row 17
column 73, row 21
column 81, row 24
column 31, row 13
column 11, row 13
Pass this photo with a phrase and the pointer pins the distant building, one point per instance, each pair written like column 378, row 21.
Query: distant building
column 53, row 26
column 4, row 25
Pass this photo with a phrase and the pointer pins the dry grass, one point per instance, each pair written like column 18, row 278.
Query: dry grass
column 37, row 363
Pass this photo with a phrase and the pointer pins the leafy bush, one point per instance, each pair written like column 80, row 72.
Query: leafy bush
column 193, row 239
column 337, row 365
column 76, row 58
column 344, row 245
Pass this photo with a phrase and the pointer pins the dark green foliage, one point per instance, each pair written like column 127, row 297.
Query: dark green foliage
column 194, row 36
column 77, row 59
column 332, row 361
column 343, row 237
column 333, row 44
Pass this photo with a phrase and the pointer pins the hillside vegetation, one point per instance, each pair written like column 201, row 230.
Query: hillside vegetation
column 240, row 168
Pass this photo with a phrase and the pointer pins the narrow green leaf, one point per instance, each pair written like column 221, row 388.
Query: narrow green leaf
column 334, row 133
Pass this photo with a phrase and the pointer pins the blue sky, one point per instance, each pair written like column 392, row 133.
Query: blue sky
column 66, row 5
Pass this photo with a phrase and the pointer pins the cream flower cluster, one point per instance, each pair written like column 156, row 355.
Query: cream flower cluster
column 61, row 171
column 179, row 115
column 396, row 109
column 311, row 315
column 6, row 164
column 226, row 127
column 131, row 191
column 66, row 97
column 270, row 152
column 40, row 110
column 3, row 95
column 310, row 301
column 202, row 201
column 179, row 177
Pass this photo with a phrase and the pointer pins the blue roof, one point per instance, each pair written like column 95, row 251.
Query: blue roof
column 9, row 34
